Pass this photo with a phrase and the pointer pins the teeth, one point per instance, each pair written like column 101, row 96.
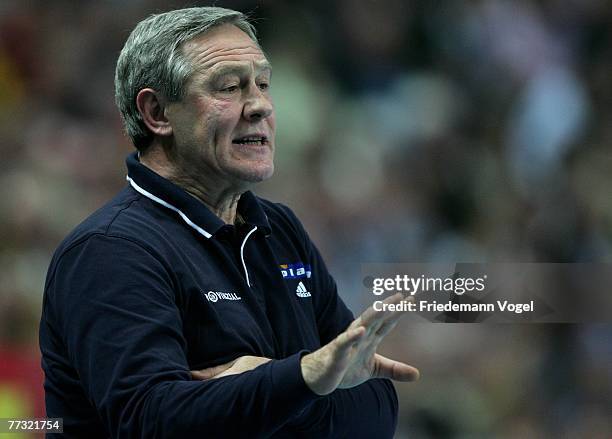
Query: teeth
column 250, row 140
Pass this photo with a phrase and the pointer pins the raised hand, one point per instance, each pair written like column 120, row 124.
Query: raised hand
column 351, row 359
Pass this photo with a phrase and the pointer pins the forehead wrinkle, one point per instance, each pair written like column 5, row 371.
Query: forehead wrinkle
column 204, row 59
column 226, row 67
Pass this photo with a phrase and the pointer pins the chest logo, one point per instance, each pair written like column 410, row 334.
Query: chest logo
column 298, row 270
column 301, row 291
column 214, row 296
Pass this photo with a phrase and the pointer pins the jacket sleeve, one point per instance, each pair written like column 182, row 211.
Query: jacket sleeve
column 367, row 410
column 114, row 306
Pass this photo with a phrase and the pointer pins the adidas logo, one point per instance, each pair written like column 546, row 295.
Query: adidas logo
column 301, row 291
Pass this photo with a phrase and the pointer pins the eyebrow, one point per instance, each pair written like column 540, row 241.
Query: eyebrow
column 223, row 70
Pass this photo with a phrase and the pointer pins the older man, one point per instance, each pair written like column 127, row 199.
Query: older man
column 188, row 306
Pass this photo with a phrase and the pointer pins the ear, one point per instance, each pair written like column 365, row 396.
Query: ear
column 151, row 109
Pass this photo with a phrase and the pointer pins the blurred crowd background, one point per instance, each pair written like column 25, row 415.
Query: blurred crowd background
column 408, row 131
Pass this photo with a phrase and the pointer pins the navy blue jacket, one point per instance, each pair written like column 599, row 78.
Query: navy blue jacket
column 154, row 285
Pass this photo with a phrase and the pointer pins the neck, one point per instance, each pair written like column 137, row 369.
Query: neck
column 222, row 200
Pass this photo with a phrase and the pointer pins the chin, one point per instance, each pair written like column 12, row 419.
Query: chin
column 255, row 174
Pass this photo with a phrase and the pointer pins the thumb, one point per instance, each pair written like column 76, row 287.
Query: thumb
column 387, row 368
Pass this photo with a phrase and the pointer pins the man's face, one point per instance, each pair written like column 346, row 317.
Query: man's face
column 224, row 128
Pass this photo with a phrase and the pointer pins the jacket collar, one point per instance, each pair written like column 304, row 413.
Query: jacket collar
column 195, row 213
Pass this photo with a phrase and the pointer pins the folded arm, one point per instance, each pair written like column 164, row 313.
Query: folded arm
column 357, row 404
column 114, row 308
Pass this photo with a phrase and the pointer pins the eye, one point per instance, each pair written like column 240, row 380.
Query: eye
column 264, row 86
column 229, row 89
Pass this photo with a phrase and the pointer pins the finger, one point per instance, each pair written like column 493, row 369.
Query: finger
column 211, row 372
column 369, row 344
column 370, row 316
column 388, row 325
column 387, row 368
column 348, row 339
column 383, row 325
column 243, row 364
column 206, row 374
column 228, row 372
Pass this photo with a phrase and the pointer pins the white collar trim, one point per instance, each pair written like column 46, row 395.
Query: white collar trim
column 149, row 195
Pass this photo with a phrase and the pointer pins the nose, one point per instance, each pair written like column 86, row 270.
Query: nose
column 258, row 105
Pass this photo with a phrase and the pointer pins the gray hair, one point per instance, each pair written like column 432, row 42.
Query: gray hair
column 152, row 57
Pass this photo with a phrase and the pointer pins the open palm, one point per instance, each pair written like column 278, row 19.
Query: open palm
column 351, row 359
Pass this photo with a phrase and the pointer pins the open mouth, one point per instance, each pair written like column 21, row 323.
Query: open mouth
column 251, row 140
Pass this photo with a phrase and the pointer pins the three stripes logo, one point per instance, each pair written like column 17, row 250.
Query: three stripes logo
column 301, row 291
